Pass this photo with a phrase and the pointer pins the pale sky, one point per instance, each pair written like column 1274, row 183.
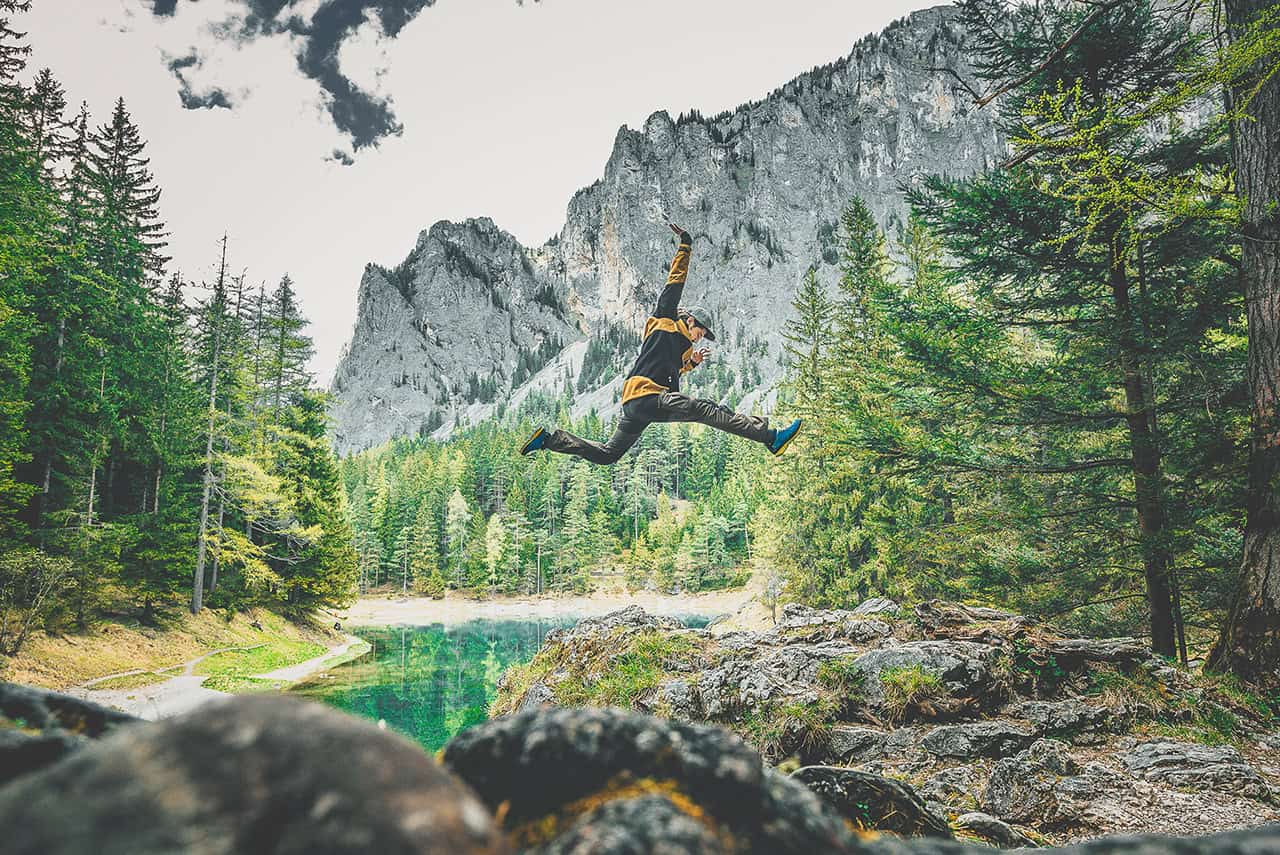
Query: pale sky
column 505, row 111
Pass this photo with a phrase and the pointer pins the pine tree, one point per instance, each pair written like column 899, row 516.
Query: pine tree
column 129, row 236
column 291, row 349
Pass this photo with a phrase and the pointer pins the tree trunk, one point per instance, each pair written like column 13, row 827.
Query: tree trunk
column 1250, row 642
column 213, row 571
column 1146, row 463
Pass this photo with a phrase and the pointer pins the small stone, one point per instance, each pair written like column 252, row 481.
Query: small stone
column 877, row 606
column 978, row 739
column 986, row 826
column 873, row 802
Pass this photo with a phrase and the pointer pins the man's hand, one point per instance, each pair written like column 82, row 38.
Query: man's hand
column 684, row 236
column 700, row 355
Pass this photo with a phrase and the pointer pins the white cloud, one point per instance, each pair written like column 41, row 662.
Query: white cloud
column 508, row 110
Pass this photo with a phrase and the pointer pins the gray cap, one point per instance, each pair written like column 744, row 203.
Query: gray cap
column 702, row 316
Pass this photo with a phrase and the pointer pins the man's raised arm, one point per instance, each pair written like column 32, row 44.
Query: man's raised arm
column 669, row 300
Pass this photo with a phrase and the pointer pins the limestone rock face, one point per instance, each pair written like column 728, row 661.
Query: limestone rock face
column 249, row 775
column 761, row 188
column 964, row 667
column 987, row 826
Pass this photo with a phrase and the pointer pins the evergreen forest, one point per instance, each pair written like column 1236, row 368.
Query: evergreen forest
column 1054, row 388
column 162, row 444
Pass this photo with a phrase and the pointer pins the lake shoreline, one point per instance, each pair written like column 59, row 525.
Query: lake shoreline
column 453, row 609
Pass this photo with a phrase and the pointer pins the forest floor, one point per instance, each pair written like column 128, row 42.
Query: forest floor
column 455, row 608
column 128, row 655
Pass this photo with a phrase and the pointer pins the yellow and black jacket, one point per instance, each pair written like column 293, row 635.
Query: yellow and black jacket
column 666, row 350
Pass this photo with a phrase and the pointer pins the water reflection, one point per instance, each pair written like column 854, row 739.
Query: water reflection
column 430, row 682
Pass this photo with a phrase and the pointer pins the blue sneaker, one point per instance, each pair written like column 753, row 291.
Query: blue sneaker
column 782, row 438
column 538, row 440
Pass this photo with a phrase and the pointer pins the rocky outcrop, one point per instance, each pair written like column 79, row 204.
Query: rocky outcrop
column 978, row 739
column 987, row 827
column 977, row 709
column 1215, row 767
column 274, row 775
column 761, row 188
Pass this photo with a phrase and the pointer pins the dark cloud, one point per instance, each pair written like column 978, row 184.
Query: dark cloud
column 204, row 100
column 207, row 100
column 363, row 116
column 340, row 156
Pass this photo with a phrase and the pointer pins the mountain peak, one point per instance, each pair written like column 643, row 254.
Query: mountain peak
column 762, row 186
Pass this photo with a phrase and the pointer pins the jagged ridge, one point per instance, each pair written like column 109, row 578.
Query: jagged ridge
column 761, row 187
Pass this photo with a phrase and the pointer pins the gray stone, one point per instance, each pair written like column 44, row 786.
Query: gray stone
column 253, row 775
column 964, row 667
column 877, row 606
column 634, row 827
column 539, row 695
column 1073, row 653
column 680, row 700
column 957, row 785
column 997, row 831
column 537, row 762
column 978, row 739
column 853, row 744
column 45, row 726
column 1185, row 764
column 1070, row 717
column 873, row 801
column 1023, row 788
column 766, row 675
column 801, row 623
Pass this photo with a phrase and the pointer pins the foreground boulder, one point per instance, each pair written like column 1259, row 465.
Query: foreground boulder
column 565, row 774
column 249, row 775
column 39, row 727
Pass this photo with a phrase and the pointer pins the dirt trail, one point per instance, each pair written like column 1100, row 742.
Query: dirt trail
column 184, row 693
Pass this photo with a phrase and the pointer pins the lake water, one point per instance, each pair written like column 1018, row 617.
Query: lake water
column 429, row 682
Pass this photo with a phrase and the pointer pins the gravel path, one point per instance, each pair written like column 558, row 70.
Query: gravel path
column 184, row 693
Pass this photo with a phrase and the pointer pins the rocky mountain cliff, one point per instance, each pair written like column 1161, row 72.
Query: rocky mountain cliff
column 472, row 318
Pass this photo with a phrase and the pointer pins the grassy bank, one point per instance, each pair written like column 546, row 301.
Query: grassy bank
column 62, row 661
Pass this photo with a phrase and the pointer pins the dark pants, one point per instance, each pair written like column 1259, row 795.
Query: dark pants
column 639, row 413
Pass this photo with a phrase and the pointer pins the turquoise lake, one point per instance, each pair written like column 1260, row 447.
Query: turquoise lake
column 430, row 682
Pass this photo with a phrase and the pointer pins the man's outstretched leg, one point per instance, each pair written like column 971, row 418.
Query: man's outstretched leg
column 675, row 407
column 563, row 442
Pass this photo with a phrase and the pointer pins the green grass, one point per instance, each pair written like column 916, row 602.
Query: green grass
column 841, row 676
column 1215, row 716
column 640, row 669
column 236, row 685
column 268, row 657
column 908, row 688
column 607, row 678
column 777, row 730
column 134, row 681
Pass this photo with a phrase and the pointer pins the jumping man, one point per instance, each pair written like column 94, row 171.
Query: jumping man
column 651, row 393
